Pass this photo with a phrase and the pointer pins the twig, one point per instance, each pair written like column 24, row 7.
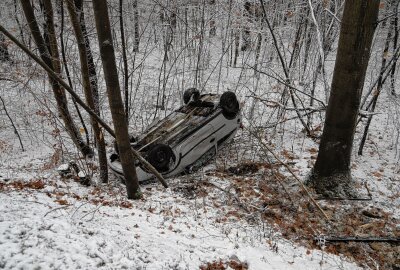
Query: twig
column 288, row 85
column 360, row 239
column 55, row 209
column 232, row 195
column 292, row 173
column 12, row 123
column 56, row 77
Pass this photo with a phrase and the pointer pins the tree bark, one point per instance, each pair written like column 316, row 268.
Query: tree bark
column 136, row 26
column 331, row 175
column 92, row 67
column 395, row 23
column 67, row 73
column 124, row 60
column 101, row 147
column 57, row 77
column 114, row 96
column 4, row 55
column 51, row 59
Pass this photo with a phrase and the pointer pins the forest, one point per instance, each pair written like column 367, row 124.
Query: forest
column 199, row 134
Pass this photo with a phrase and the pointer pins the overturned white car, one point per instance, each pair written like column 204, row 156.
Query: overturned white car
column 187, row 138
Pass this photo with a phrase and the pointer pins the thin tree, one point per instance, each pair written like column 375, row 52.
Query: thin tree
column 4, row 55
column 136, row 26
column 101, row 147
column 124, row 59
column 49, row 54
column 114, row 96
column 331, row 175
column 92, row 67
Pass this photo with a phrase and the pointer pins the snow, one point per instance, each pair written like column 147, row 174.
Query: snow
column 63, row 167
column 68, row 226
column 81, row 174
column 37, row 233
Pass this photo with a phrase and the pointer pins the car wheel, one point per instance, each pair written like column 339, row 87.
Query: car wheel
column 229, row 105
column 191, row 94
column 160, row 156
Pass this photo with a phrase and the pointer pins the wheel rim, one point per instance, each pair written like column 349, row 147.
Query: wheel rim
column 161, row 157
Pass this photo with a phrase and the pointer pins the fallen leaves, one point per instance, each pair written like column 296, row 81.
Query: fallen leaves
column 19, row 185
column 62, row 202
column 223, row 265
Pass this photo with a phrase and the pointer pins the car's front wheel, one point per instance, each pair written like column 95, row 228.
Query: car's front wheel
column 160, row 156
column 229, row 104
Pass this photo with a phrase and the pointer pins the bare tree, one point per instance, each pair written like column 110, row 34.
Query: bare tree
column 136, row 25
column 331, row 175
column 49, row 54
column 114, row 96
column 124, row 59
column 4, row 55
column 101, row 147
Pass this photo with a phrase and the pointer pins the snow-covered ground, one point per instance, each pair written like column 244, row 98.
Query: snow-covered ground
column 63, row 225
column 47, row 222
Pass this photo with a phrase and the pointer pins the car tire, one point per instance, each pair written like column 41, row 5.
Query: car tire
column 187, row 95
column 229, row 104
column 160, row 156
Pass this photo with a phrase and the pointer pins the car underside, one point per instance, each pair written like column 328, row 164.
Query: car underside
column 187, row 138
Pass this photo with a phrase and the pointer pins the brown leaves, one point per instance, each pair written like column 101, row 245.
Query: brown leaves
column 125, row 204
column 377, row 174
column 221, row 265
column 31, row 184
column 216, row 265
column 62, row 202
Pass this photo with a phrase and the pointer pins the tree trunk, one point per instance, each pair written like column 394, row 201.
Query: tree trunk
column 136, row 23
column 52, row 60
column 124, row 60
column 114, row 96
column 92, row 67
column 67, row 73
column 331, row 175
column 4, row 55
column 236, row 37
column 395, row 23
column 101, row 147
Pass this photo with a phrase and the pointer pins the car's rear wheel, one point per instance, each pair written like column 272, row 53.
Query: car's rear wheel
column 229, row 105
column 191, row 94
column 160, row 156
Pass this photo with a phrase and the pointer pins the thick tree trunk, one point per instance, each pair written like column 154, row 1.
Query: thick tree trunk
column 331, row 174
column 101, row 147
column 114, row 96
column 52, row 60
